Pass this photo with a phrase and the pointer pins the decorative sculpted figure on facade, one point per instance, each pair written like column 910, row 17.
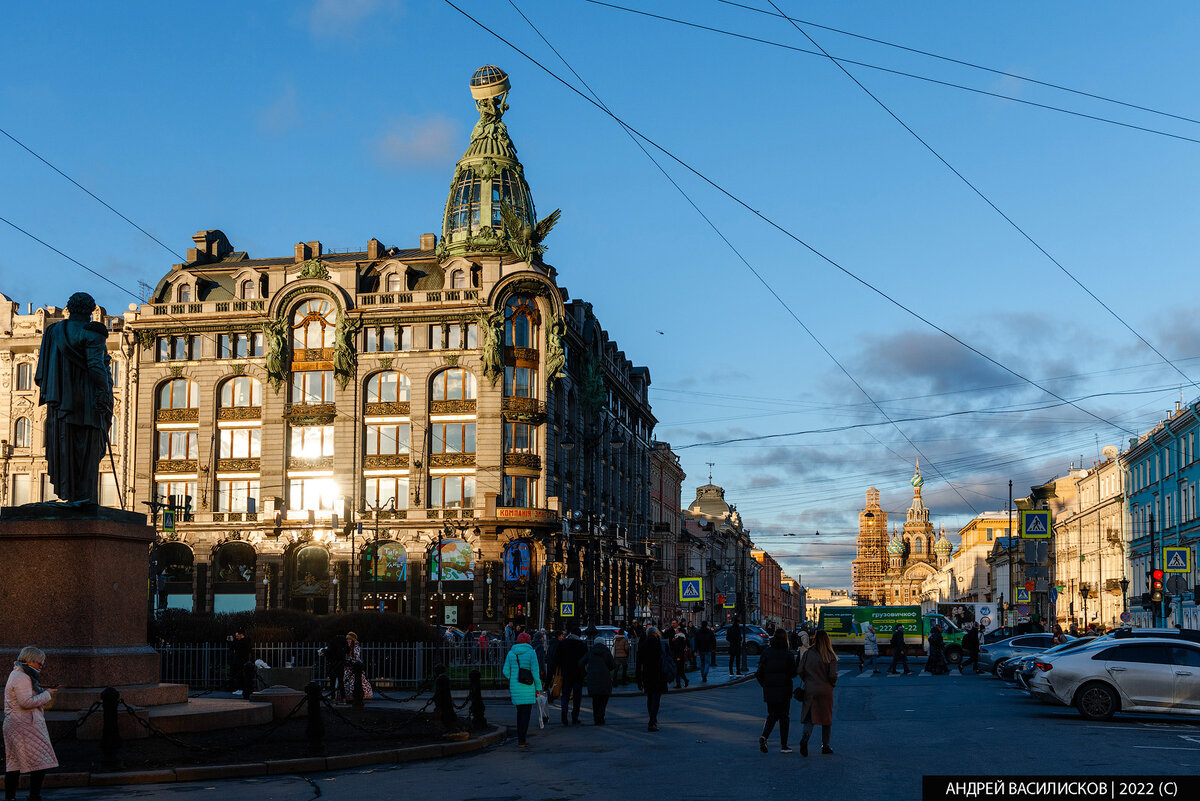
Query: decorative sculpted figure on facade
column 276, row 333
column 75, row 386
column 524, row 240
column 491, row 328
column 556, row 355
column 345, row 358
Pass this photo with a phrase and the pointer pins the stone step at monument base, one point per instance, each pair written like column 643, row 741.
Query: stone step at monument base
column 198, row 714
column 71, row 698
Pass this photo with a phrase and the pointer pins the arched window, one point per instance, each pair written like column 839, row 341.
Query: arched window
column 388, row 387
column 23, row 435
column 241, row 391
column 452, row 560
column 917, row 543
column 464, row 203
column 454, row 384
column 458, row 280
column 184, row 294
column 235, row 562
column 521, row 320
column 179, row 393
column 393, row 282
column 247, row 290
column 313, row 325
column 385, row 561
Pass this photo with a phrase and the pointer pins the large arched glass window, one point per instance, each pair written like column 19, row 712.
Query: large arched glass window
column 521, row 320
column 23, row 433
column 454, row 384
column 313, row 325
column 464, row 203
column 241, row 391
column 388, row 387
column 179, row 393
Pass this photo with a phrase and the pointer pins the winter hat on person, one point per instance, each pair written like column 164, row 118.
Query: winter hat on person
column 523, row 637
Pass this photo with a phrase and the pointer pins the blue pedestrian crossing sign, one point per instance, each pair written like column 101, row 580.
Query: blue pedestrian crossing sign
column 1035, row 524
column 1177, row 560
column 1022, row 595
column 691, row 589
column 566, row 609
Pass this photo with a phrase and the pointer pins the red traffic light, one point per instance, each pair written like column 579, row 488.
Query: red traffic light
column 1158, row 575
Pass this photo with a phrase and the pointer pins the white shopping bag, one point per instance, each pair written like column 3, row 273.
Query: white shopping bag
column 543, row 710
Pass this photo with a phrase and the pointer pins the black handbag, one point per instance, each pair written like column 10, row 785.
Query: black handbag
column 524, row 674
column 798, row 693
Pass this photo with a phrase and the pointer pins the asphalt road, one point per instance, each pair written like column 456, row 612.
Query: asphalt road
column 888, row 732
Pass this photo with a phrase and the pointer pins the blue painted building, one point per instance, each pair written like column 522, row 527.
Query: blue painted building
column 1162, row 475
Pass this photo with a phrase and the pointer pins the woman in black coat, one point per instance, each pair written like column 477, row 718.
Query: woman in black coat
column 650, row 676
column 776, row 667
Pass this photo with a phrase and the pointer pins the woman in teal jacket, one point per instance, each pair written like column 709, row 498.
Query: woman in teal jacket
column 524, row 696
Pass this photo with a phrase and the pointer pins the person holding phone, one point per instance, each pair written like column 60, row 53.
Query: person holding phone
column 27, row 747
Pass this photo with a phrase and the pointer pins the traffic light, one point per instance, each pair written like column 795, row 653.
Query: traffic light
column 1156, row 586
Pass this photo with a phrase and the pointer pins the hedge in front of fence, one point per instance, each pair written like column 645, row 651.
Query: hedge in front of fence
column 287, row 625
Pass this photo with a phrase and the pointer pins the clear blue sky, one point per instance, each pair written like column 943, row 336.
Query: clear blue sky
column 280, row 122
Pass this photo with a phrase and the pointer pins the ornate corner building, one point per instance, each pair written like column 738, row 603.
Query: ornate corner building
column 438, row 430
column 890, row 572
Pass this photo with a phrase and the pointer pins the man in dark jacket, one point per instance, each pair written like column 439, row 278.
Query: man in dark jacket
column 650, row 676
column 734, row 638
column 679, row 647
column 936, row 663
column 970, row 644
column 241, row 669
column 776, row 668
column 899, row 653
column 567, row 656
column 335, row 665
column 706, row 646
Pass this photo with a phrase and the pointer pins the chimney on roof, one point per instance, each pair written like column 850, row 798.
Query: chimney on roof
column 375, row 249
column 428, row 241
column 303, row 253
column 211, row 247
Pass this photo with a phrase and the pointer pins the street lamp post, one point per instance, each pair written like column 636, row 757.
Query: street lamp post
column 375, row 509
column 1124, row 594
column 1084, row 592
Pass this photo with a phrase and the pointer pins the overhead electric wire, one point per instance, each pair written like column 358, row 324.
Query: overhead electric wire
column 961, row 62
column 903, row 74
column 987, row 200
column 778, row 226
column 787, row 307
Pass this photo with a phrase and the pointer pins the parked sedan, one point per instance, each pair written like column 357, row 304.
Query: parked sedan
column 1129, row 674
column 754, row 639
column 992, row 654
column 1028, row 665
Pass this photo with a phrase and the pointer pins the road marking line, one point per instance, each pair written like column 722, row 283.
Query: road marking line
column 1166, row 748
column 1129, row 728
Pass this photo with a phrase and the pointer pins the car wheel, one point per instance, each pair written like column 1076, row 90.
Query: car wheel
column 1097, row 701
column 953, row 655
column 753, row 648
column 996, row 670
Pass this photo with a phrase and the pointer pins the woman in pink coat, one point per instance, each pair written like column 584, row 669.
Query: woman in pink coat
column 27, row 746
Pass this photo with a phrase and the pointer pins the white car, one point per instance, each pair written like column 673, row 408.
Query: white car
column 1135, row 674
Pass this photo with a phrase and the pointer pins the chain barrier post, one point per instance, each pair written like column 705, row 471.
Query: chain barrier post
column 110, row 737
column 478, row 720
column 315, row 727
column 358, row 684
column 443, row 702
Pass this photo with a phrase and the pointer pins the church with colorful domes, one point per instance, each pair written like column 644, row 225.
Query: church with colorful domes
column 889, row 571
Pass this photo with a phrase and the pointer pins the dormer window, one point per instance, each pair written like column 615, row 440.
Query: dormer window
column 247, row 290
column 458, row 280
column 184, row 293
column 393, row 282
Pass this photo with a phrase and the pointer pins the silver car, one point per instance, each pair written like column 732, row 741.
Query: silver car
column 1141, row 674
column 991, row 655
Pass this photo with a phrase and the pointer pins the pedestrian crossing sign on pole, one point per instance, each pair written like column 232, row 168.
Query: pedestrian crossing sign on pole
column 1022, row 595
column 691, row 589
column 566, row 609
column 1035, row 524
column 1177, row 560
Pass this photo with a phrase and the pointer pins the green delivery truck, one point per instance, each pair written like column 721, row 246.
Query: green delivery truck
column 846, row 626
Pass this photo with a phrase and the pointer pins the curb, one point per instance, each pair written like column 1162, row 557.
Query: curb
column 279, row 767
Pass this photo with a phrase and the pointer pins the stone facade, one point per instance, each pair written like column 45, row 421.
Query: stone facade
column 438, row 430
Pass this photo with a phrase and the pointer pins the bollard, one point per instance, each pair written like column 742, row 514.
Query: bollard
column 443, row 703
column 358, row 684
column 110, row 737
column 478, row 719
column 315, row 726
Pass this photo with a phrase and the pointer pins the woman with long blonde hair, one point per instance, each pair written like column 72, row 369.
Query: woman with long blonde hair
column 818, row 671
